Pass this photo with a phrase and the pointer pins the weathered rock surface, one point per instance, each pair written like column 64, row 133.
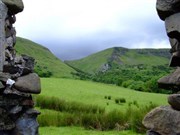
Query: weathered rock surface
column 26, row 125
column 171, row 81
column 17, row 80
column 163, row 120
column 5, row 122
column 175, row 51
column 14, row 6
column 4, row 77
column 173, row 26
column 29, row 84
column 174, row 101
column 150, row 132
column 165, row 8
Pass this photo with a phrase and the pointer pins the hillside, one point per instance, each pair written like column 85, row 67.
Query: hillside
column 120, row 56
column 46, row 63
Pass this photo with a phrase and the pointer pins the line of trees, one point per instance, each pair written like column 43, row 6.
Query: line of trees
column 137, row 77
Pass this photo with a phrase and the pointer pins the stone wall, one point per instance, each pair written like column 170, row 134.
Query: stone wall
column 165, row 120
column 17, row 78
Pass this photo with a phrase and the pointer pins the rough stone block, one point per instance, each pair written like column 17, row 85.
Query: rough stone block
column 171, row 81
column 14, row 6
column 174, row 101
column 165, row 8
column 163, row 120
column 173, row 26
column 29, row 84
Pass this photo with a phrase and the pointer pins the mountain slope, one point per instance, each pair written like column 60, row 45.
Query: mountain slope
column 46, row 62
column 120, row 56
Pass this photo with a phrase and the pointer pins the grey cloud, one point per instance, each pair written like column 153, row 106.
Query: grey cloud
column 129, row 30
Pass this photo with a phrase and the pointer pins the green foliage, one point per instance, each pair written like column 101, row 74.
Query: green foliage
column 137, row 77
column 109, row 97
column 57, row 104
column 43, row 71
column 47, row 65
column 120, row 100
column 131, row 119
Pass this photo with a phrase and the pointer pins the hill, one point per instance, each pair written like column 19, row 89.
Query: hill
column 118, row 56
column 46, row 63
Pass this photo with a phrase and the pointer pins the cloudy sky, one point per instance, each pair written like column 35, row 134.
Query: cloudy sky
column 72, row 29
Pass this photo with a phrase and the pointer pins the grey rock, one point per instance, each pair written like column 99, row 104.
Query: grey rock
column 14, row 92
column 27, row 102
column 3, row 15
column 14, row 69
column 1, row 86
column 14, row 6
column 4, row 77
column 29, row 84
column 163, row 120
column 5, row 122
column 15, row 110
column 5, row 133
column 173, row 26
column 9, row 68
column 174, row 101
column 4, row 102
column 32, row 112
column 165, row 8
column 171, row 81
column 175, row 44
column 29, row 62
column 150, row 132
column 26, row 125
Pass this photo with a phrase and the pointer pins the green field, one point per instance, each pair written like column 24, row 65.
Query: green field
column 91, row 93
column 94, row 93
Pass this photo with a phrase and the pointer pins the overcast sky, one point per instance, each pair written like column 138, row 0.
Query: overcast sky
column 72, row 29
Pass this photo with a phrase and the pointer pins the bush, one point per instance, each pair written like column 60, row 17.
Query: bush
column 120, row 100
column 131, row 119
column 117, row 101
column 109, row 97
column 57, row 104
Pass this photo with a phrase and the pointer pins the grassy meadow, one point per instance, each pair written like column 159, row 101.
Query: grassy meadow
column 95, row 93
column 68, row 106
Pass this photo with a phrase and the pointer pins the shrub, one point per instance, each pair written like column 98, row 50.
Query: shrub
column 136, row 103
column 117, row 100
column 122, row 100
column 109, row 97
column 57, row 104
column 131, row 119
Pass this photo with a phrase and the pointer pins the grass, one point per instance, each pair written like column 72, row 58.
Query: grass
column 57, row 104
column 45, row 60
column 80, row 131
column 114, row 119
column 71, row 91
column 94, row 93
